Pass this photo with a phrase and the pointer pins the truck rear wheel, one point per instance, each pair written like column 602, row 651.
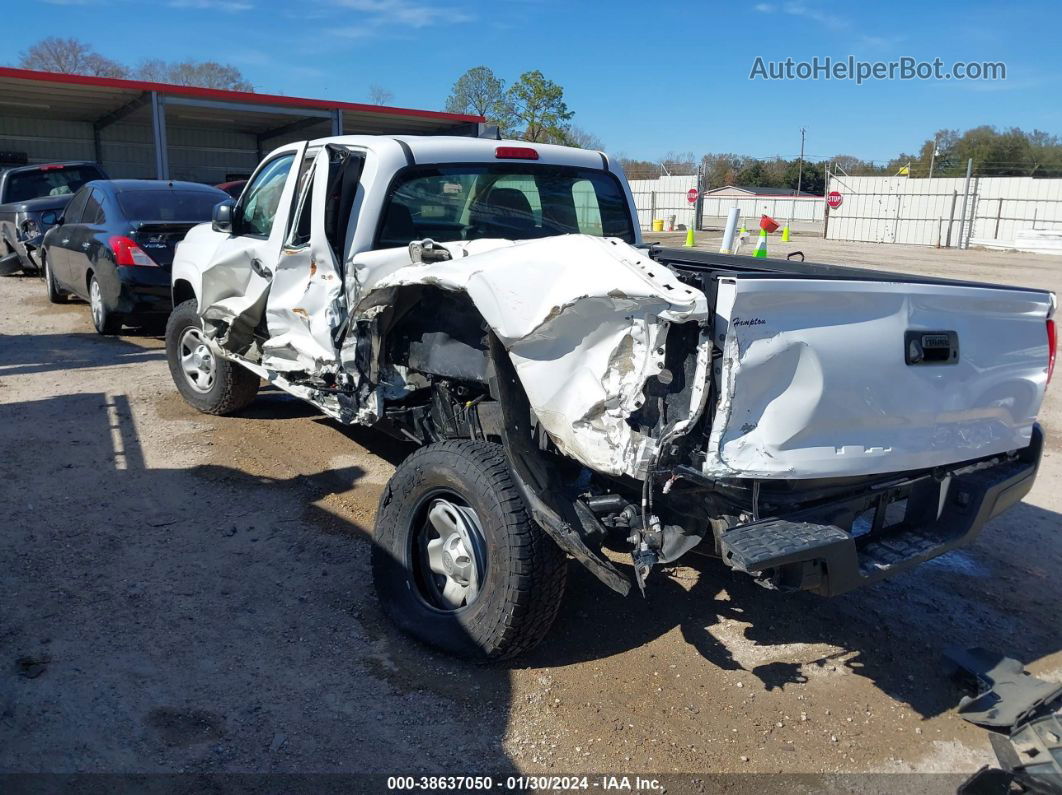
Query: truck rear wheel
column 457, row 561
column 210, row 384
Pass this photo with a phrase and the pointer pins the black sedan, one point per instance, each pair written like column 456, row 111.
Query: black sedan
column 114, row 245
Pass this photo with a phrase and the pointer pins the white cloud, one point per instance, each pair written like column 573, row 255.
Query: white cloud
column 230, row 6
column 831, row 21
column 796, row 9
column 399, row 13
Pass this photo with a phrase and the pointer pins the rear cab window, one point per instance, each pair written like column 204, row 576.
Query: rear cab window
column 516, row 201
column 55, row 180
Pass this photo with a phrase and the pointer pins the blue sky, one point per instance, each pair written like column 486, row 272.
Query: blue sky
column 645, row 77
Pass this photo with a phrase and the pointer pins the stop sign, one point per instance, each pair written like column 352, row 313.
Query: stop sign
column 691, row 195
column 834, row 199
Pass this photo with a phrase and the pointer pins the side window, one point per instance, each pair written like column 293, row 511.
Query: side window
column 302, row 203
column 300, row 229
column 260, row 199
column 93, row 212
column 74, row 210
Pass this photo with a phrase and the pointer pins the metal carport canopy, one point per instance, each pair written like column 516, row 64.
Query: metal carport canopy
column 103, row 101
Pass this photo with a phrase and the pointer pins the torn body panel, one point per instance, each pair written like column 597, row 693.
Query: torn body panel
column 583, row 320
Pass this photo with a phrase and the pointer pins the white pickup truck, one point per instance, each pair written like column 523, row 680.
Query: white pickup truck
column 573, row 389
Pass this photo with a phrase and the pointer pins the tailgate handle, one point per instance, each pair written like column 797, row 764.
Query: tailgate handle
column 931, row 347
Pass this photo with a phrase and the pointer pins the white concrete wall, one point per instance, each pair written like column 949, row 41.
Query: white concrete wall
column 924, row 211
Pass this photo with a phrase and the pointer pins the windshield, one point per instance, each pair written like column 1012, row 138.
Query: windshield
column 50, row 181
column 516, row 201
column 169, row 205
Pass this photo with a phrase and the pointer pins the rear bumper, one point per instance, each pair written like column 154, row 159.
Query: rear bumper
column 810, row 551
column 144, row 291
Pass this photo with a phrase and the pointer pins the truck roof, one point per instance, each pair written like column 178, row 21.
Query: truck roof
column 464, row 149
column 46, row 166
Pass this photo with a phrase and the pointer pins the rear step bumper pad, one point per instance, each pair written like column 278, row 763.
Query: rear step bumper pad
column 800, row 554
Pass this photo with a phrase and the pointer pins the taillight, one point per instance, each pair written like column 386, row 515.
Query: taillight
column 53, row 167
column 516, row 153
column 126, row 252
column 1052, row 348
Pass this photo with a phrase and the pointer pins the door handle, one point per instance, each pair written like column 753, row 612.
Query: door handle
column 66, row 240
column 260, row 269
column 84, row 245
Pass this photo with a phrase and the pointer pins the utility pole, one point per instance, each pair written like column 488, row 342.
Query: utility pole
column 800, row 178
column 965, row 200
column 933, row 156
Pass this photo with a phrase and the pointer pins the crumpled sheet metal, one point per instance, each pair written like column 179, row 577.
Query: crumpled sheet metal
column 583, row 319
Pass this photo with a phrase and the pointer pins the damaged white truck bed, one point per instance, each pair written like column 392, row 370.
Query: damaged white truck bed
column 571, row 389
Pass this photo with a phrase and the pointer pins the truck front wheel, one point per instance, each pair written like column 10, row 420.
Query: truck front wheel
column 207, row 382
column 457, row 561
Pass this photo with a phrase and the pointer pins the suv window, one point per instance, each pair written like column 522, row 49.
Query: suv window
column 517, row 201
column 260, row 199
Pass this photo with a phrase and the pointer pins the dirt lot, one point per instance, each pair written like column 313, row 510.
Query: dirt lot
column 188, row 593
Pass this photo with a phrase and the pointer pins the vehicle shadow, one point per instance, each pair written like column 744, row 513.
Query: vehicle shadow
column 24, row 354
column 202, row 619
column 892, row 633
column 889, row 633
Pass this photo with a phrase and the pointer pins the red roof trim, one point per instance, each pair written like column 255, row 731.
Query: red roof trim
column 230, row 96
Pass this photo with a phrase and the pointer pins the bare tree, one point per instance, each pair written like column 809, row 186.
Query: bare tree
column 69, row 56
column 378, row 95
column 205, row 74
column 679, row 163
column 577, row 136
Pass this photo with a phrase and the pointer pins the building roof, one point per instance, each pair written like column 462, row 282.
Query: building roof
column 95, row 99
column 758, row 190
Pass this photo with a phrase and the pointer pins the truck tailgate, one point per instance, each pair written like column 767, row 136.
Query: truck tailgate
column 824, row 377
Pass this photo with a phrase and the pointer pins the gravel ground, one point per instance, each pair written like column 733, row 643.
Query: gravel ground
column 190, row 593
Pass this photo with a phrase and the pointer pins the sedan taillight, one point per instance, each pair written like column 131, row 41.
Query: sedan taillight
column 127, row 252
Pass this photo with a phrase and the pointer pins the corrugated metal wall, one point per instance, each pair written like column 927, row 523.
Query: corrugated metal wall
column 806, row 210
column 928, row 211
column 46, row 139
column 197, row 154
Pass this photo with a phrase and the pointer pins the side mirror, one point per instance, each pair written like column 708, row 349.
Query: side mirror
column 222, row 219
column 51, row 218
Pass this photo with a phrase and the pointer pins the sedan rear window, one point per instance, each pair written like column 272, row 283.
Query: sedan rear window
column 169, row 205
column 49, row 181
column 515, row 201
